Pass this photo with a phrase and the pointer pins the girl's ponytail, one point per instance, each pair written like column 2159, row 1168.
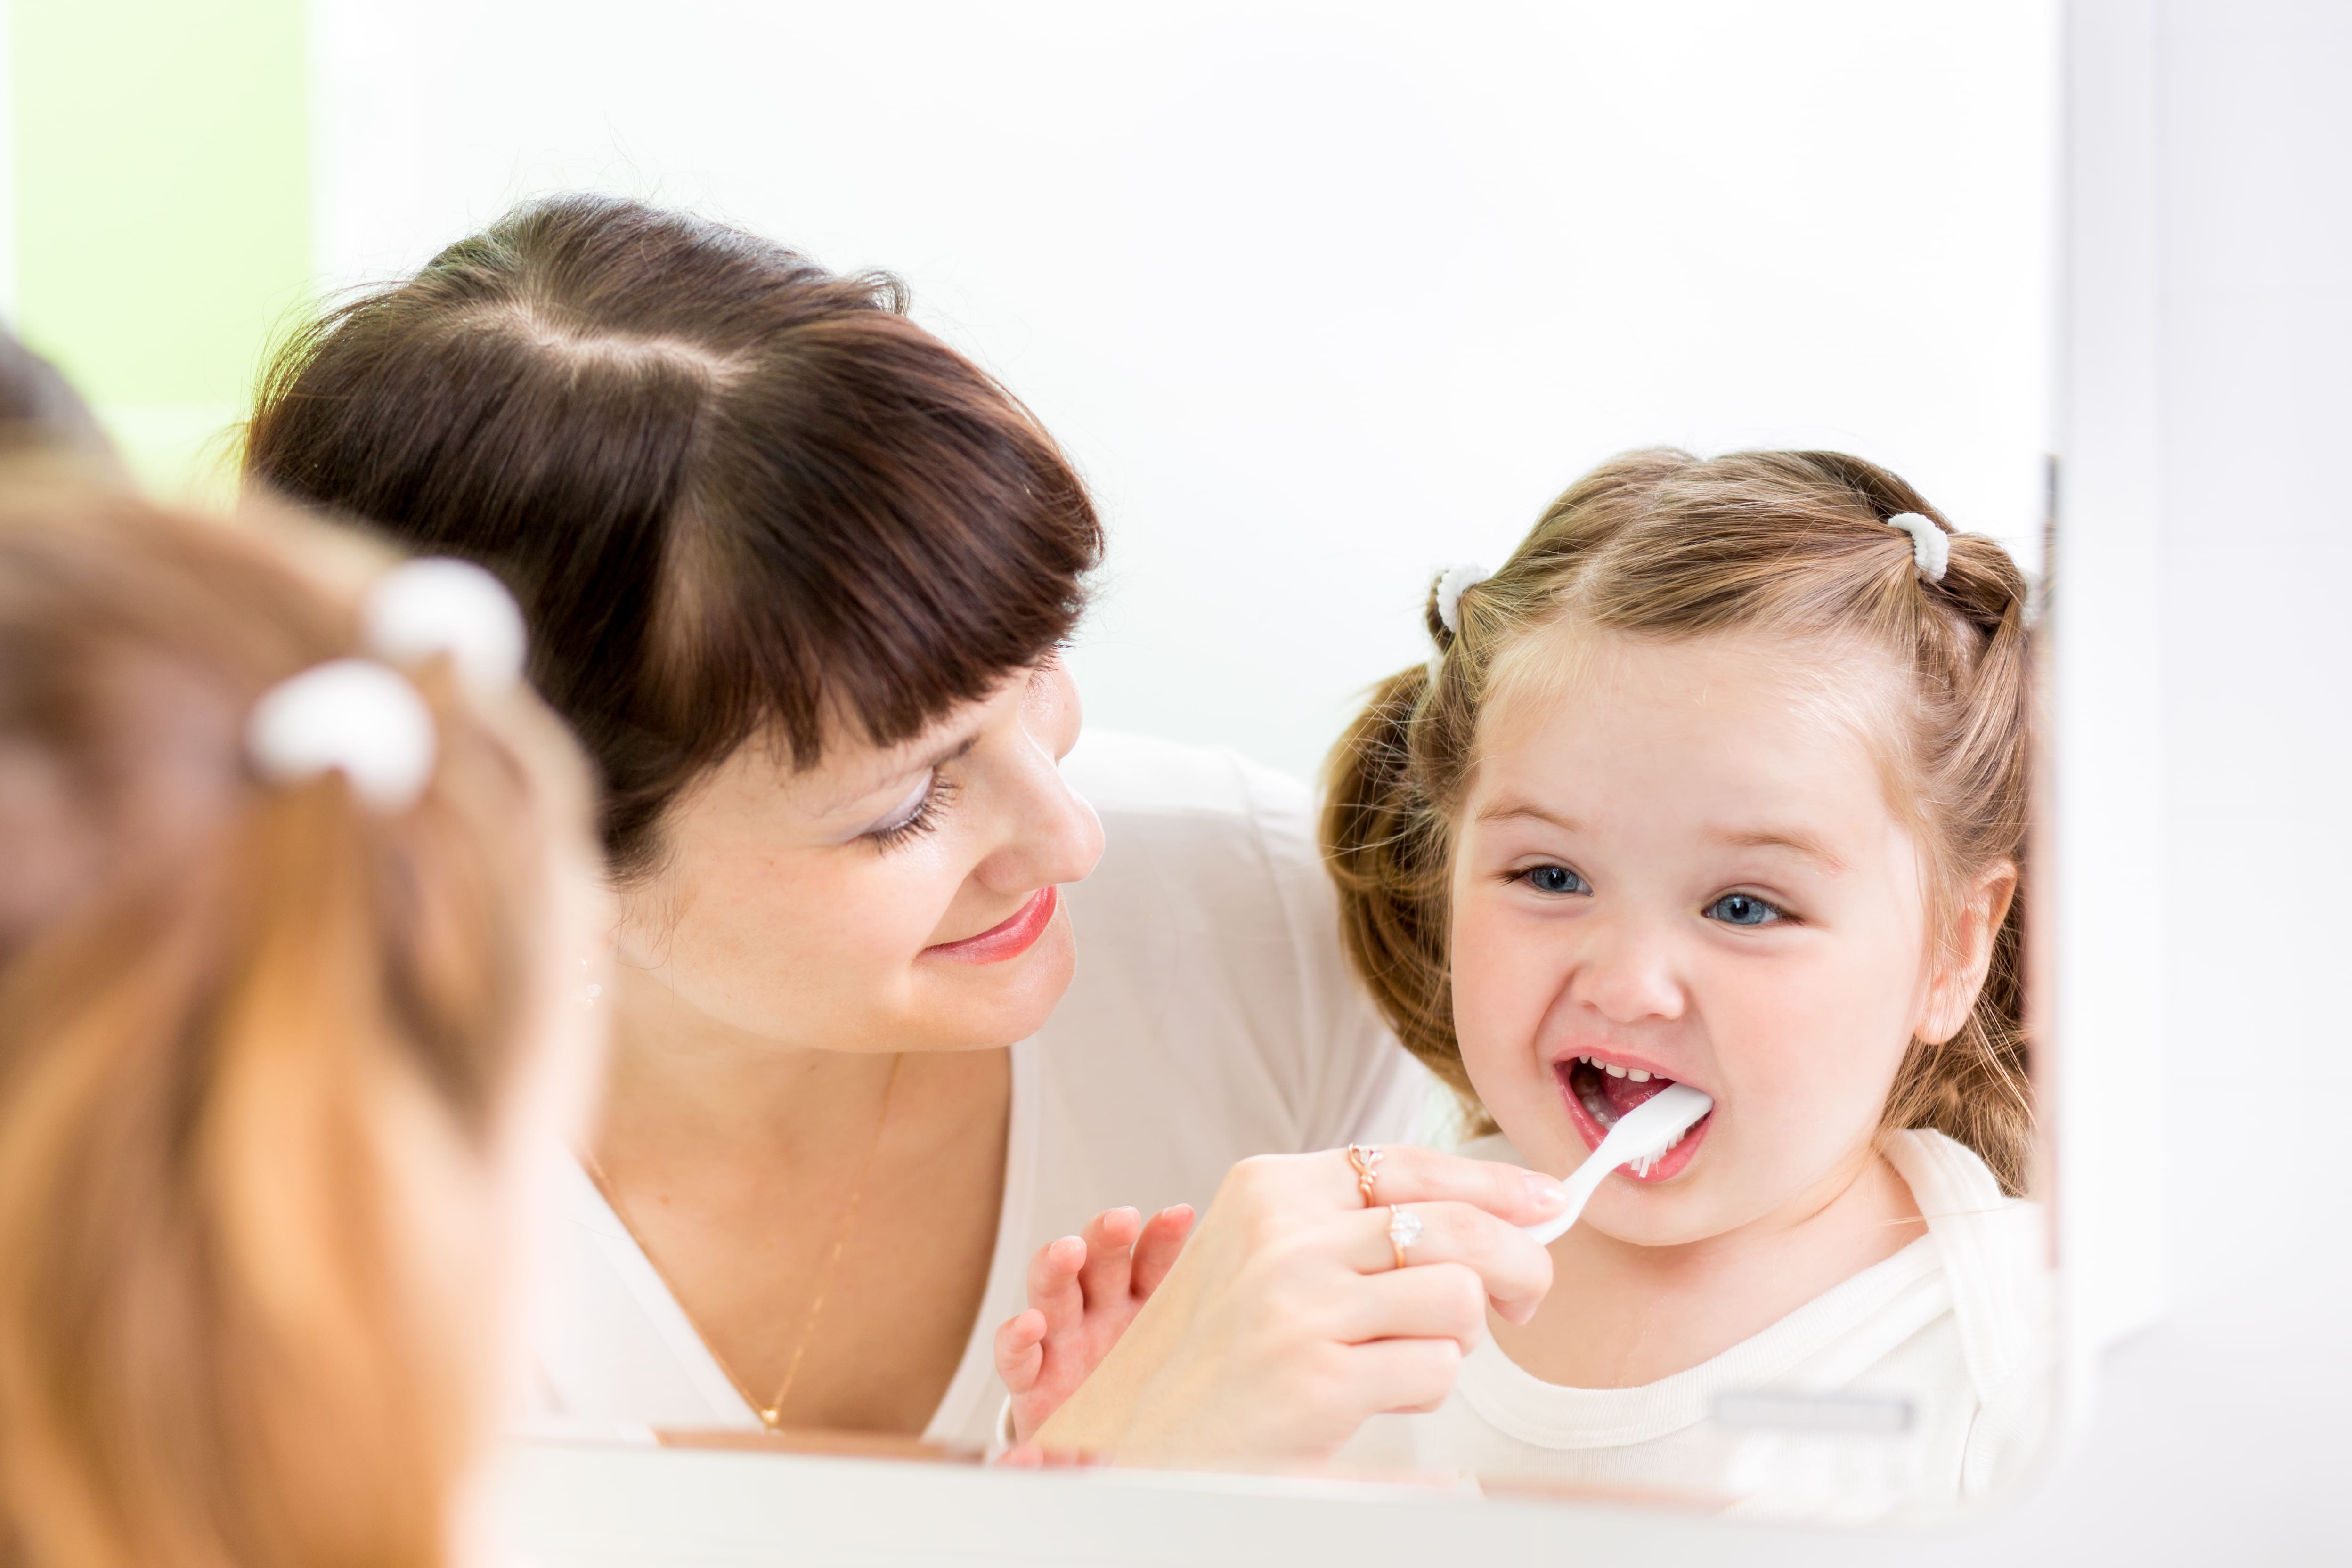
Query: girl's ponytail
column 1978, row 678
column 1388, row 856
column 255, row 1039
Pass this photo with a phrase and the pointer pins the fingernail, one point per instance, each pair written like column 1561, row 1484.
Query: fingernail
column 1546, row 1192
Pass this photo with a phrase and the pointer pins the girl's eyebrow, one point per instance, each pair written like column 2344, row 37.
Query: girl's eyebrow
column 1780, row 838
column 1507, row 810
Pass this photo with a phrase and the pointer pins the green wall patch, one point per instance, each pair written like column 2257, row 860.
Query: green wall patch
column 163, row 188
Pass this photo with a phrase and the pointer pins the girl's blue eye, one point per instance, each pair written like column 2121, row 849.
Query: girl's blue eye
column 1743, row 909
column 1554, row 879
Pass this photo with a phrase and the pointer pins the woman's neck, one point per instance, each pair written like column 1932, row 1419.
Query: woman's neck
column 825, row 1224
column 1621, row 1315
column 688, row 1092
column 680, row 1079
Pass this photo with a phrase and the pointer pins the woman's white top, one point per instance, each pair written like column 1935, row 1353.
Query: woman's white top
column 1212, row 1017
column 1921, row 1382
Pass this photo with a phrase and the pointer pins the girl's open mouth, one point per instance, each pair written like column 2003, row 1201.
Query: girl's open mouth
column 1598, row 1092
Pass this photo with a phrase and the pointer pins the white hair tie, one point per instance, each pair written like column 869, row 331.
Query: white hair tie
column 1931, row 546
column 366, row 720
column 353, row 716
column 1451, row 587
column 440, row 605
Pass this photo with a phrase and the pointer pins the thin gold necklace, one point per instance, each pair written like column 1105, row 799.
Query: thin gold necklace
column 771, row 1414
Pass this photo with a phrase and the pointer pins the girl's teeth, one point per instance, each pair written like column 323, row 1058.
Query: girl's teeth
column 1615, row 1071
column 1637, row 1075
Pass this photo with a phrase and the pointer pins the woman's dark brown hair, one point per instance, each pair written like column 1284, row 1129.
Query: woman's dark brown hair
column 1660, row 544
column 735, row 493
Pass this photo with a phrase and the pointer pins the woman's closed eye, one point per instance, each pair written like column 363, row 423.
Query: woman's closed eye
column 1552, row 879
column 1745, row 909
column 919, row 813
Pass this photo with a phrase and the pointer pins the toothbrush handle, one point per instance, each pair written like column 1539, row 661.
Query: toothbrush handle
column 1581, row 1186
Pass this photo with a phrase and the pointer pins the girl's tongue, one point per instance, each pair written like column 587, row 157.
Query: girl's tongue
column 1623, row 1093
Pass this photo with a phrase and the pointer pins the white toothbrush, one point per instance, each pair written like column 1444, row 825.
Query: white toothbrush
column 1641, row 1134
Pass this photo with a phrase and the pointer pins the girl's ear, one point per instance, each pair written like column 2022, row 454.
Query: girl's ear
column 1960, row 974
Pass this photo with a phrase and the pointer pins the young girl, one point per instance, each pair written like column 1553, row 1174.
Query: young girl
column 298, row 910
column 1723, row 780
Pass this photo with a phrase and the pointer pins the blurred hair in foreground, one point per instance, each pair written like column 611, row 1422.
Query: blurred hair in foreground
column 261, row 1055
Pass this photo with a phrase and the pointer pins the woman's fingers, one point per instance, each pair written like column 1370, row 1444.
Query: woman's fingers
column 1432, row 1301
column 1514, row 1270
column 1111, row 1254
column 1410, row 1174
column 1157, row 1249
column 1405, row 1375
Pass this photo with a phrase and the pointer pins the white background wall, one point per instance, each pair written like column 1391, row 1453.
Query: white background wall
column 1320, row 294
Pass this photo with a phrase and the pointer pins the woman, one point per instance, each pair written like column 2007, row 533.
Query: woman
column 286, row 1005
column 796, row 571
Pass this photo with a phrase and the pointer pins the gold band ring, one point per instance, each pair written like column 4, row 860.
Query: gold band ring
column 1405, row 1229
column 1368, row 1169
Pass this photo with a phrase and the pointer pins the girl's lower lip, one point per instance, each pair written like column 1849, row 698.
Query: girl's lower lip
column 1589, row 1128
column 1009, row 940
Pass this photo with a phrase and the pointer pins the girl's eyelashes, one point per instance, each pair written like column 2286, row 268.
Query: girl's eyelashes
column 1745, row 909
column 1552, row 878
column 920, row 814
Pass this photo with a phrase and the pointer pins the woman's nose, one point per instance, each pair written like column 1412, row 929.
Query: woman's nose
column 1050, row 834
column 1627, row 975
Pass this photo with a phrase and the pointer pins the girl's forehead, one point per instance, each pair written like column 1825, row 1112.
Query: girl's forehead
column 1753, row 710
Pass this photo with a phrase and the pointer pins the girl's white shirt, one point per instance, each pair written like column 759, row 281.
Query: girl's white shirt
column 1212, row 1017
column 1921, row 1382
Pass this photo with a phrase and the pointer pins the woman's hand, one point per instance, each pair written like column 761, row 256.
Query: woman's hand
column 1286, row 1323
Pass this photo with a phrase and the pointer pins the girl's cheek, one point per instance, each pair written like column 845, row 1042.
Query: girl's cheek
column 1501, row 990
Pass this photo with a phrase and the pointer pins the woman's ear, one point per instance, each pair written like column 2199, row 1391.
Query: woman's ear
column 1960, row 968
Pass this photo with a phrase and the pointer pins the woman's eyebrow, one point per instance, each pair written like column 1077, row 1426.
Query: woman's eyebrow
column 946, row 752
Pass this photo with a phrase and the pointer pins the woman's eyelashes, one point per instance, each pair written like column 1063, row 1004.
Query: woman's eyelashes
column 920, row 814
column 1551, row 878
column 1745, row 909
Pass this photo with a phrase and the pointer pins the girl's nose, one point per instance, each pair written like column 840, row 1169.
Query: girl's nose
column 1627, row 975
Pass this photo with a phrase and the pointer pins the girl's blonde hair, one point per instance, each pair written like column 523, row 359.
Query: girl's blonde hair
column 252, row 1041
column 1661, row 544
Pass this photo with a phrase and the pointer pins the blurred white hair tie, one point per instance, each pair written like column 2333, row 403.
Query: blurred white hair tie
column 441, row 605
column 1931, row 546
column 353, row 716
column 1451, row 587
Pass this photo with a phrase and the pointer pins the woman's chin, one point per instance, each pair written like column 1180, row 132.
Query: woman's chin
column 980, row 1006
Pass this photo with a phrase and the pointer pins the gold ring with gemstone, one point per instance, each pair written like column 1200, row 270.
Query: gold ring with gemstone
column 1405, row 1229
column 1368, row 1169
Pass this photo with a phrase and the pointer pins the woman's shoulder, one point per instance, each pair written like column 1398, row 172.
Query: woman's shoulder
column 1210, row 971
column 1206, row 849
column 1145, row 778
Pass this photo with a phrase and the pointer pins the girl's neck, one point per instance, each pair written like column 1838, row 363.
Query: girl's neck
column 1622, row 1315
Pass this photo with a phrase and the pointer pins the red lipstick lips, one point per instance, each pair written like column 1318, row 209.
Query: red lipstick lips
column 1008, row 940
